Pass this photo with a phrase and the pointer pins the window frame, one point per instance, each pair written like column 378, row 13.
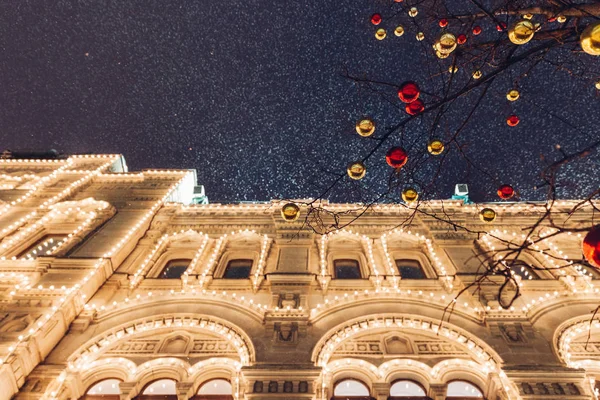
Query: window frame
column 87, row 396
column 198, row 396
column 358, row 266
column 142, row 396
column 346, row 397
column 390, row 397
column 420, row 266
column 237, row 254
column 464, row 397
column 168, row 265
column 228, row 265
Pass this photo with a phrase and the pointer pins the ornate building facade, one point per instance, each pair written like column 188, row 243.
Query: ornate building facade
column 116, row 285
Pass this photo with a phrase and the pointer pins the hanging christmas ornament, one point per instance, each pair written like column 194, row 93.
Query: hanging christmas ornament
column 512, row 120
column 435, row 147
column 356, row 170
column 551, row 19
column 591, row 246
column 376, row 19
column 487, row 215
column 477, row 74
column 413, row 12
column 505, row 192
column 396, row 157
column 443, row 23
column 414, row 108
column 398, row 1
column 521, row 32
column 420, row 36
column 399, row 31
column 512, row 95
column 453, row 69
column 476, row 30
column 409, row 91
column 501, row 27
column 446, row 44
column 598, row 85
column 410, row 195
column 380, row 34
column 441, row 55
column 461, row 39
column 365, row 127
column 561, row 19
column 290, row 212
column 528, row 16
column 590, row 39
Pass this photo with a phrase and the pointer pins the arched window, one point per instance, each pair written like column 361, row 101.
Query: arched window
column 238, row 269
column 405, row 390
column 215, row 389
column 107, row 389
column 522, row 269
column 462, row 390
column 42, row 247
column 174, row 269
column 346, row 269
column 162, row 389
column 351, row 389
column 410, row 269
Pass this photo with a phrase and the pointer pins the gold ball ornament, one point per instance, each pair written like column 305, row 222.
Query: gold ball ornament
column 435, row 147
column 356, row 170
column 590, row 39
column 453, row 69
column 561, row 19
column 399, row 31
column 512, row 95
column 441, row 55
column 477, row 74
column 410, row 195
column 487, row 215
column 446, row 44
column 380, row 34
column 365, row 127
column 420, row 36
column 521, row 32
column 598, row 85
column 528, row 16
column 413, row 12
column 290, row 212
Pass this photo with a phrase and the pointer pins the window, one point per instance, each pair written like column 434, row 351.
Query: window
column 458, row 390
column 346, row 269
column 174, row 269
column 163, row 389
column 238, row 269
column 104, row 390
column 523, row 270
column 216, row 389
column 591, row 272
column 351, row 389
column 44, row 246
column 406, row 389
column 410, row 269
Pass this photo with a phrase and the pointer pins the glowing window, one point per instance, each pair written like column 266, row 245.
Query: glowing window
column 350, row 387
column 163, row 386
column 238, row 269
column 463, row 389
column 43, row 247
column 406, row 389
column 216, row 386
column 174, row 269
column 523, row 270
column 346, row 269
column 108, row 386
column 410, row 269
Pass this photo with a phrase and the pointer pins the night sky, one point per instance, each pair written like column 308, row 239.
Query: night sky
column 252, row 94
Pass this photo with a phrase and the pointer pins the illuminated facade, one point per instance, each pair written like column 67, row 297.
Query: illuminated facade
column 115, row 285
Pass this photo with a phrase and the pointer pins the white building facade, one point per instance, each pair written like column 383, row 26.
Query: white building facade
column 114, row 285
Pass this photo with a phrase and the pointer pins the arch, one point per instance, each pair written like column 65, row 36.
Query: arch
column 160, row 387
column 118, row 368
column 478, row 349
column 92, row 349
column 104, row 387
column 216, row 386
column 567, row 332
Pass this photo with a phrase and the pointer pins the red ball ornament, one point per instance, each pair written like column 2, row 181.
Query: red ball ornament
column 409, row 92
column 443, row 23
column 414, row 108
column 461, row 39
column 398, row 1
column 396, row 157
column 476, row 30
column 513, row 120
column 501, row 27
column 505, row 192
column 551, row 19
column 375, row 19
column 591, row 246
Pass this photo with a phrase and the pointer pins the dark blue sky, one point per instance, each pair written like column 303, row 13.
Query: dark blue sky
column 251, row 94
